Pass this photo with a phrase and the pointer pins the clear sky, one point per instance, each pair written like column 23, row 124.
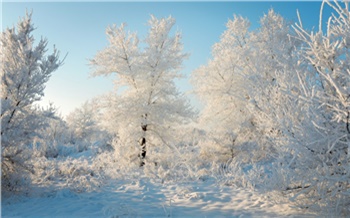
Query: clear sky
column 78, row 28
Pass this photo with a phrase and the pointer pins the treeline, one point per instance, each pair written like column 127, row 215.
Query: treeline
column 275, row 117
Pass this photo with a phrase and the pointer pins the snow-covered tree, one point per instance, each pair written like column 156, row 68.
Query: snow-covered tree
column 146, row 106
column 241, row 85
column 319, row 161
column 82, row 120
column 24, row 71
column 217, row 82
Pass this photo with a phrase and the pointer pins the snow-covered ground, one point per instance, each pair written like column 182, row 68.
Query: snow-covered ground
column 146, row 199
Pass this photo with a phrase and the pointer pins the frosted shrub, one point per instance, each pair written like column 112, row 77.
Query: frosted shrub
column 85, row 124
column 16, row 172
column 56, row 140
column 218, row 149
column 165, row 163
column 236, row 173
column 75, row 174
column 221, row 148
column 126, row 155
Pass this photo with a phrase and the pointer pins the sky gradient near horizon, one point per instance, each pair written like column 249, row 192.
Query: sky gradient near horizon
column 78, row 28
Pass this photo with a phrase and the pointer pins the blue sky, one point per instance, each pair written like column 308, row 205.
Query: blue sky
column 78, row 28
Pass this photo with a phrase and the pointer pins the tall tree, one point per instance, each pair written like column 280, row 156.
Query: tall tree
column 24, row 71
column 241, row 85
column 147, row 106
column 321, row 159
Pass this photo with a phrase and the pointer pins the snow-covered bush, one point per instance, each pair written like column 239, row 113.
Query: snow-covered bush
column 24, row 71
column 62, row 138
column 53, row 174
column 51, row 138
column 214, row 149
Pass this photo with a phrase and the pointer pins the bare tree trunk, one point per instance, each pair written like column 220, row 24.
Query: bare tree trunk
column 143, row 142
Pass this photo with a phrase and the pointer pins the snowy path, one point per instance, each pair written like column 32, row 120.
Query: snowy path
column 140, row 199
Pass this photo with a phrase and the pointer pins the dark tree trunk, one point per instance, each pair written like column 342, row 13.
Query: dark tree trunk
column 143, row 145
